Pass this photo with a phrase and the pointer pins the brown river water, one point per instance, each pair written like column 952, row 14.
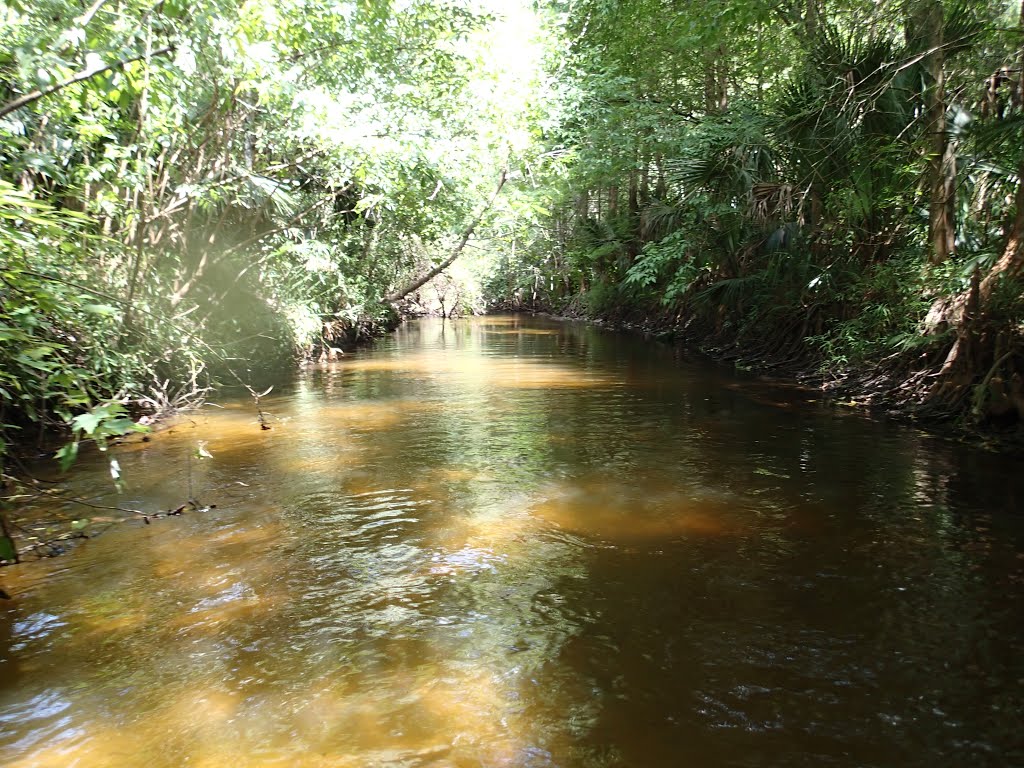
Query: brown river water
column 508, row 541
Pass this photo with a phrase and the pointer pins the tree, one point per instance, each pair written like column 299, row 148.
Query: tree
column 247, row 180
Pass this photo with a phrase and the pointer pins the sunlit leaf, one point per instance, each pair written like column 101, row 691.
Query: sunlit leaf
column 86, row 422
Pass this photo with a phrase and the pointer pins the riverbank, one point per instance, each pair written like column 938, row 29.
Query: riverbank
column 892, row 389
column 35, row 468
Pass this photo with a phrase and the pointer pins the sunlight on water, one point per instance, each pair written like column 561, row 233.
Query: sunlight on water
column 502, row 533
column 522, row 331
column 466, row 370
column 515, row 542
column 618, row 512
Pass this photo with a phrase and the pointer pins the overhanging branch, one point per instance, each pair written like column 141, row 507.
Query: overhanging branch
column 400, row 294
column 86, row 74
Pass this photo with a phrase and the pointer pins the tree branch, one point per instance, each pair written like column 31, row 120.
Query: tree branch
column 400, row 294
column 86, row 74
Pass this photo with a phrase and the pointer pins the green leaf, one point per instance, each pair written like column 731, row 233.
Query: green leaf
column 7, row 333
column 37, row 353
column 67, row 455
column 86, row 422
column 121, row 426
column 35, row 364
column 173, row 8
column 7, row 549
column 100, row 309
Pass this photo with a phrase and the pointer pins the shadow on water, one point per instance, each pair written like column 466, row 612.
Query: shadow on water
column 518, row 542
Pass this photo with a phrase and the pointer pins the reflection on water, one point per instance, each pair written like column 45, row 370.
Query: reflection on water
column 512, row 542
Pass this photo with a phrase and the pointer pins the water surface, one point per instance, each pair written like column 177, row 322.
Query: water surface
column 514, row 542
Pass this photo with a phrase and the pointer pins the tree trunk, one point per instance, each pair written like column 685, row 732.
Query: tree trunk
column 645, row 181
column 1011, row 263
column 632, row 197
column 633, row 246
column 942, row 161
column 583, row 205
column 811, row 19
column 723, row 79
column 975, row 353
column 710, row 84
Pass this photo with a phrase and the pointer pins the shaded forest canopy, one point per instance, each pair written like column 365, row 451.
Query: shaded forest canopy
column 212, row 190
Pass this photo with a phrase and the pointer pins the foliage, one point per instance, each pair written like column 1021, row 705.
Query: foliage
column 100, row 423
column 781, row 175
column 203, row 192
column 217, row 188
column 888, row 301
column 57, row 356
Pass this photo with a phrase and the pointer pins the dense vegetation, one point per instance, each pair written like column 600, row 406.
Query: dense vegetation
column 187, row 188
column 816, row 185
column 215, row 189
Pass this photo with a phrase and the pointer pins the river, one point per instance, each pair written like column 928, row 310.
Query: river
column 508, row 541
